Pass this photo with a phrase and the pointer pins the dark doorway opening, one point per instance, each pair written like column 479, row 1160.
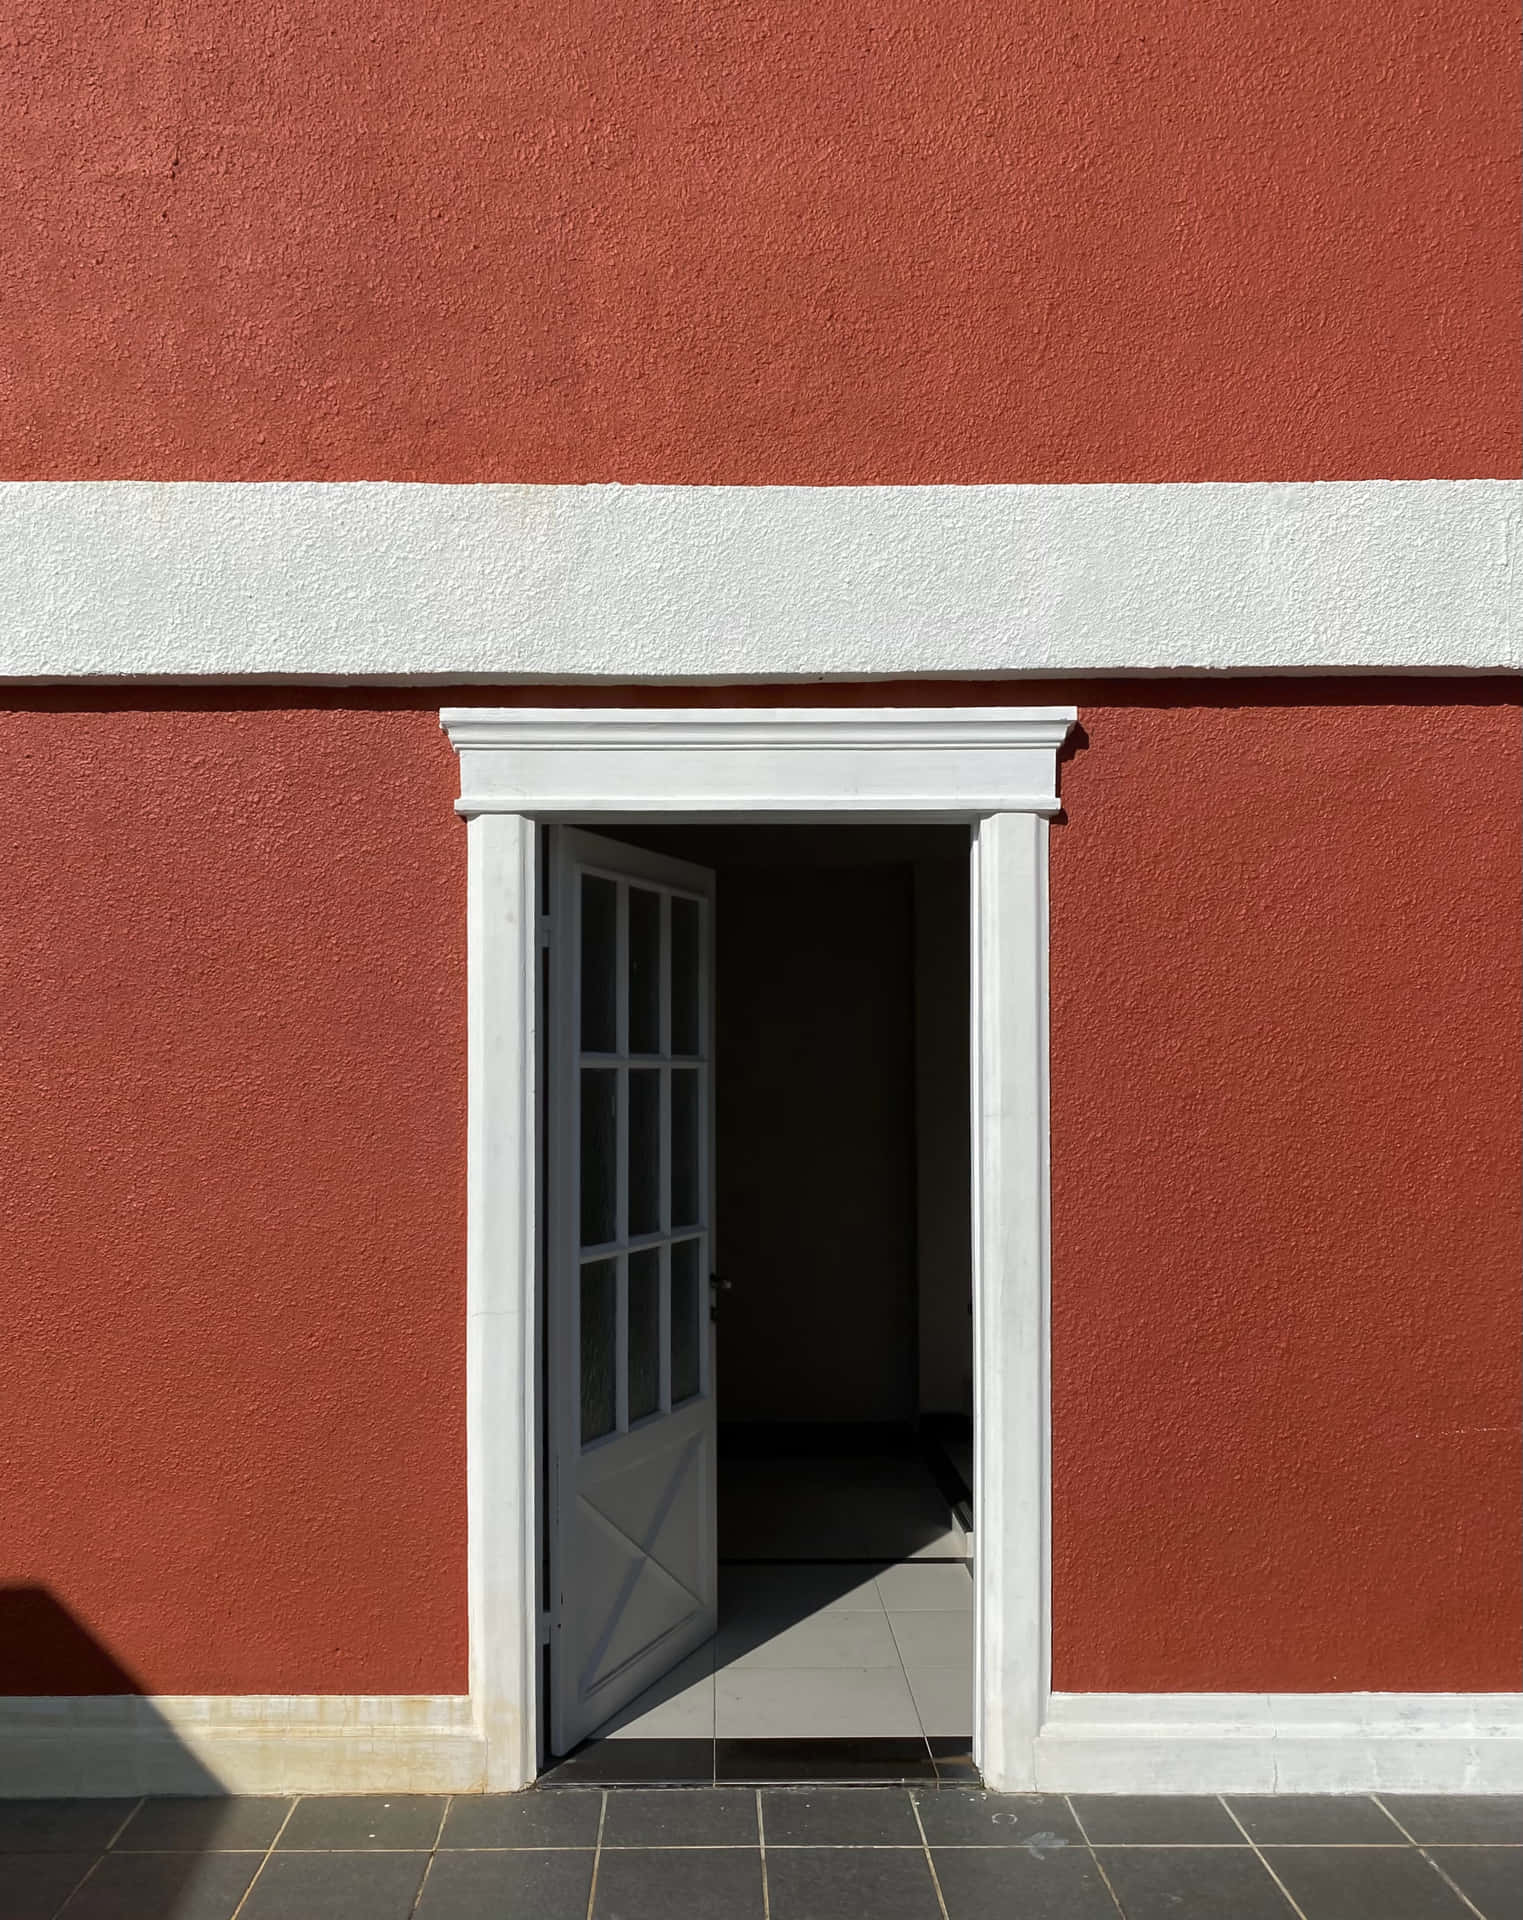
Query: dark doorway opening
column 844, row 1363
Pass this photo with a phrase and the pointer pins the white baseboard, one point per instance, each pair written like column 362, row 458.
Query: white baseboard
column 1089, row 1743
column 255, row 1743
column 1281, row 1743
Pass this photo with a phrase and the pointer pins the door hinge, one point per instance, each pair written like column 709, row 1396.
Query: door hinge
column 544, row 1629
column 544, row 929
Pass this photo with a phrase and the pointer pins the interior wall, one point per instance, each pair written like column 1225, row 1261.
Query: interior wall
column 870, row 1015
column 816, row 1122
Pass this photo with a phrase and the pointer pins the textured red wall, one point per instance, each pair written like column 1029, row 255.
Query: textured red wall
column 232, row 1157
column 761, row 242
column 1285, row 1153
column 1286, row 1290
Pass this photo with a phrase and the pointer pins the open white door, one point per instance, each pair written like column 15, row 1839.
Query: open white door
column 633, row 1565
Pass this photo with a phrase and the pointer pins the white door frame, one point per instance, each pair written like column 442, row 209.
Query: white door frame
column 993, row 768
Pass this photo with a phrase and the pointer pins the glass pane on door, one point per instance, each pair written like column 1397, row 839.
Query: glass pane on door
column 687, row 1319
column 600, row 1152
column 685, row 1156
column 644, row 971
column 600, row 959
column 600, row 1339
column 644, row 1333
column 644, row 1151
column 685, row 988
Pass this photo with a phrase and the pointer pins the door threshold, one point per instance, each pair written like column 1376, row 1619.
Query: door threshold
column 765, row 1763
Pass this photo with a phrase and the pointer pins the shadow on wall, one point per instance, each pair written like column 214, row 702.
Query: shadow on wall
column 80, row 1747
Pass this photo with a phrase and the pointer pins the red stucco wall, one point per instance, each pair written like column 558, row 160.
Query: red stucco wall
column 763, row 242
column 1286, row 1289
column 1286, row 1171
column 232, row 1031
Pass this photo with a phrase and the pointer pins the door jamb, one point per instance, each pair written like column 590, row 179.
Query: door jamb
column 996, row 770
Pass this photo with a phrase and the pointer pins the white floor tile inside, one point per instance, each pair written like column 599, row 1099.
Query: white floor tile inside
column 825, row 1634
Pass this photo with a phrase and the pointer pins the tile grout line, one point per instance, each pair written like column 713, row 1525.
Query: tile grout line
column 761, row 1842
column 904, row 1675
column 597, row 1853
column 116, row 1834
column 433, row 1853
column 83, row 1878
column 1089, row 1845
column 100, row 1855
column 125, row 1823
column 296, row 1800
column 1427, row 1856
column 1221, row 1800
column 926, row 1848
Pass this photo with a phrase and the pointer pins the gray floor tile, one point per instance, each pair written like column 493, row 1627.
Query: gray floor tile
column 821, row 1703
column 681, row 1883
column 564, row 1817
column 955, row 1817
column 678, row 1706
column 864, row 1883
column 1364, row 1883
column 336, row 1886
column 1167, row 1883
column 1314, row 1819
column 1155, row 1820
column 760, row 1589
column 202, row 1826
column 839, row 1817
column 825, row 1763
column 908, row 1588
column 935, row 1639
column 839, row 1639
column 1494, row 1819
column 635, row 1763
column 1491, row 1878
column 60, row 1826
column 503, row 1886
column 681, row 1817
column 361, row 1820
column 983, row 1883
column 34, row 1885
column 168, row 1886
column 943, row 1699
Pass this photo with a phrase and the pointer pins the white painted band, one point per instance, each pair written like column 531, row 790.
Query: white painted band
column 375, row 580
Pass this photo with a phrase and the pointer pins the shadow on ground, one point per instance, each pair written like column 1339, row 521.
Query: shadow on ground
column 81, row 1746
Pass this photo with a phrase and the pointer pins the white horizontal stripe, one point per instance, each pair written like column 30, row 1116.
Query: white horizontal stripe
column 368, row 579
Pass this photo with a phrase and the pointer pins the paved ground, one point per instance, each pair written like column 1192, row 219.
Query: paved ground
column 855, row 1853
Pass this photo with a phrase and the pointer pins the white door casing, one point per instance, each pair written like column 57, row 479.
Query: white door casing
column 629, row 1252
column 994, row 768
